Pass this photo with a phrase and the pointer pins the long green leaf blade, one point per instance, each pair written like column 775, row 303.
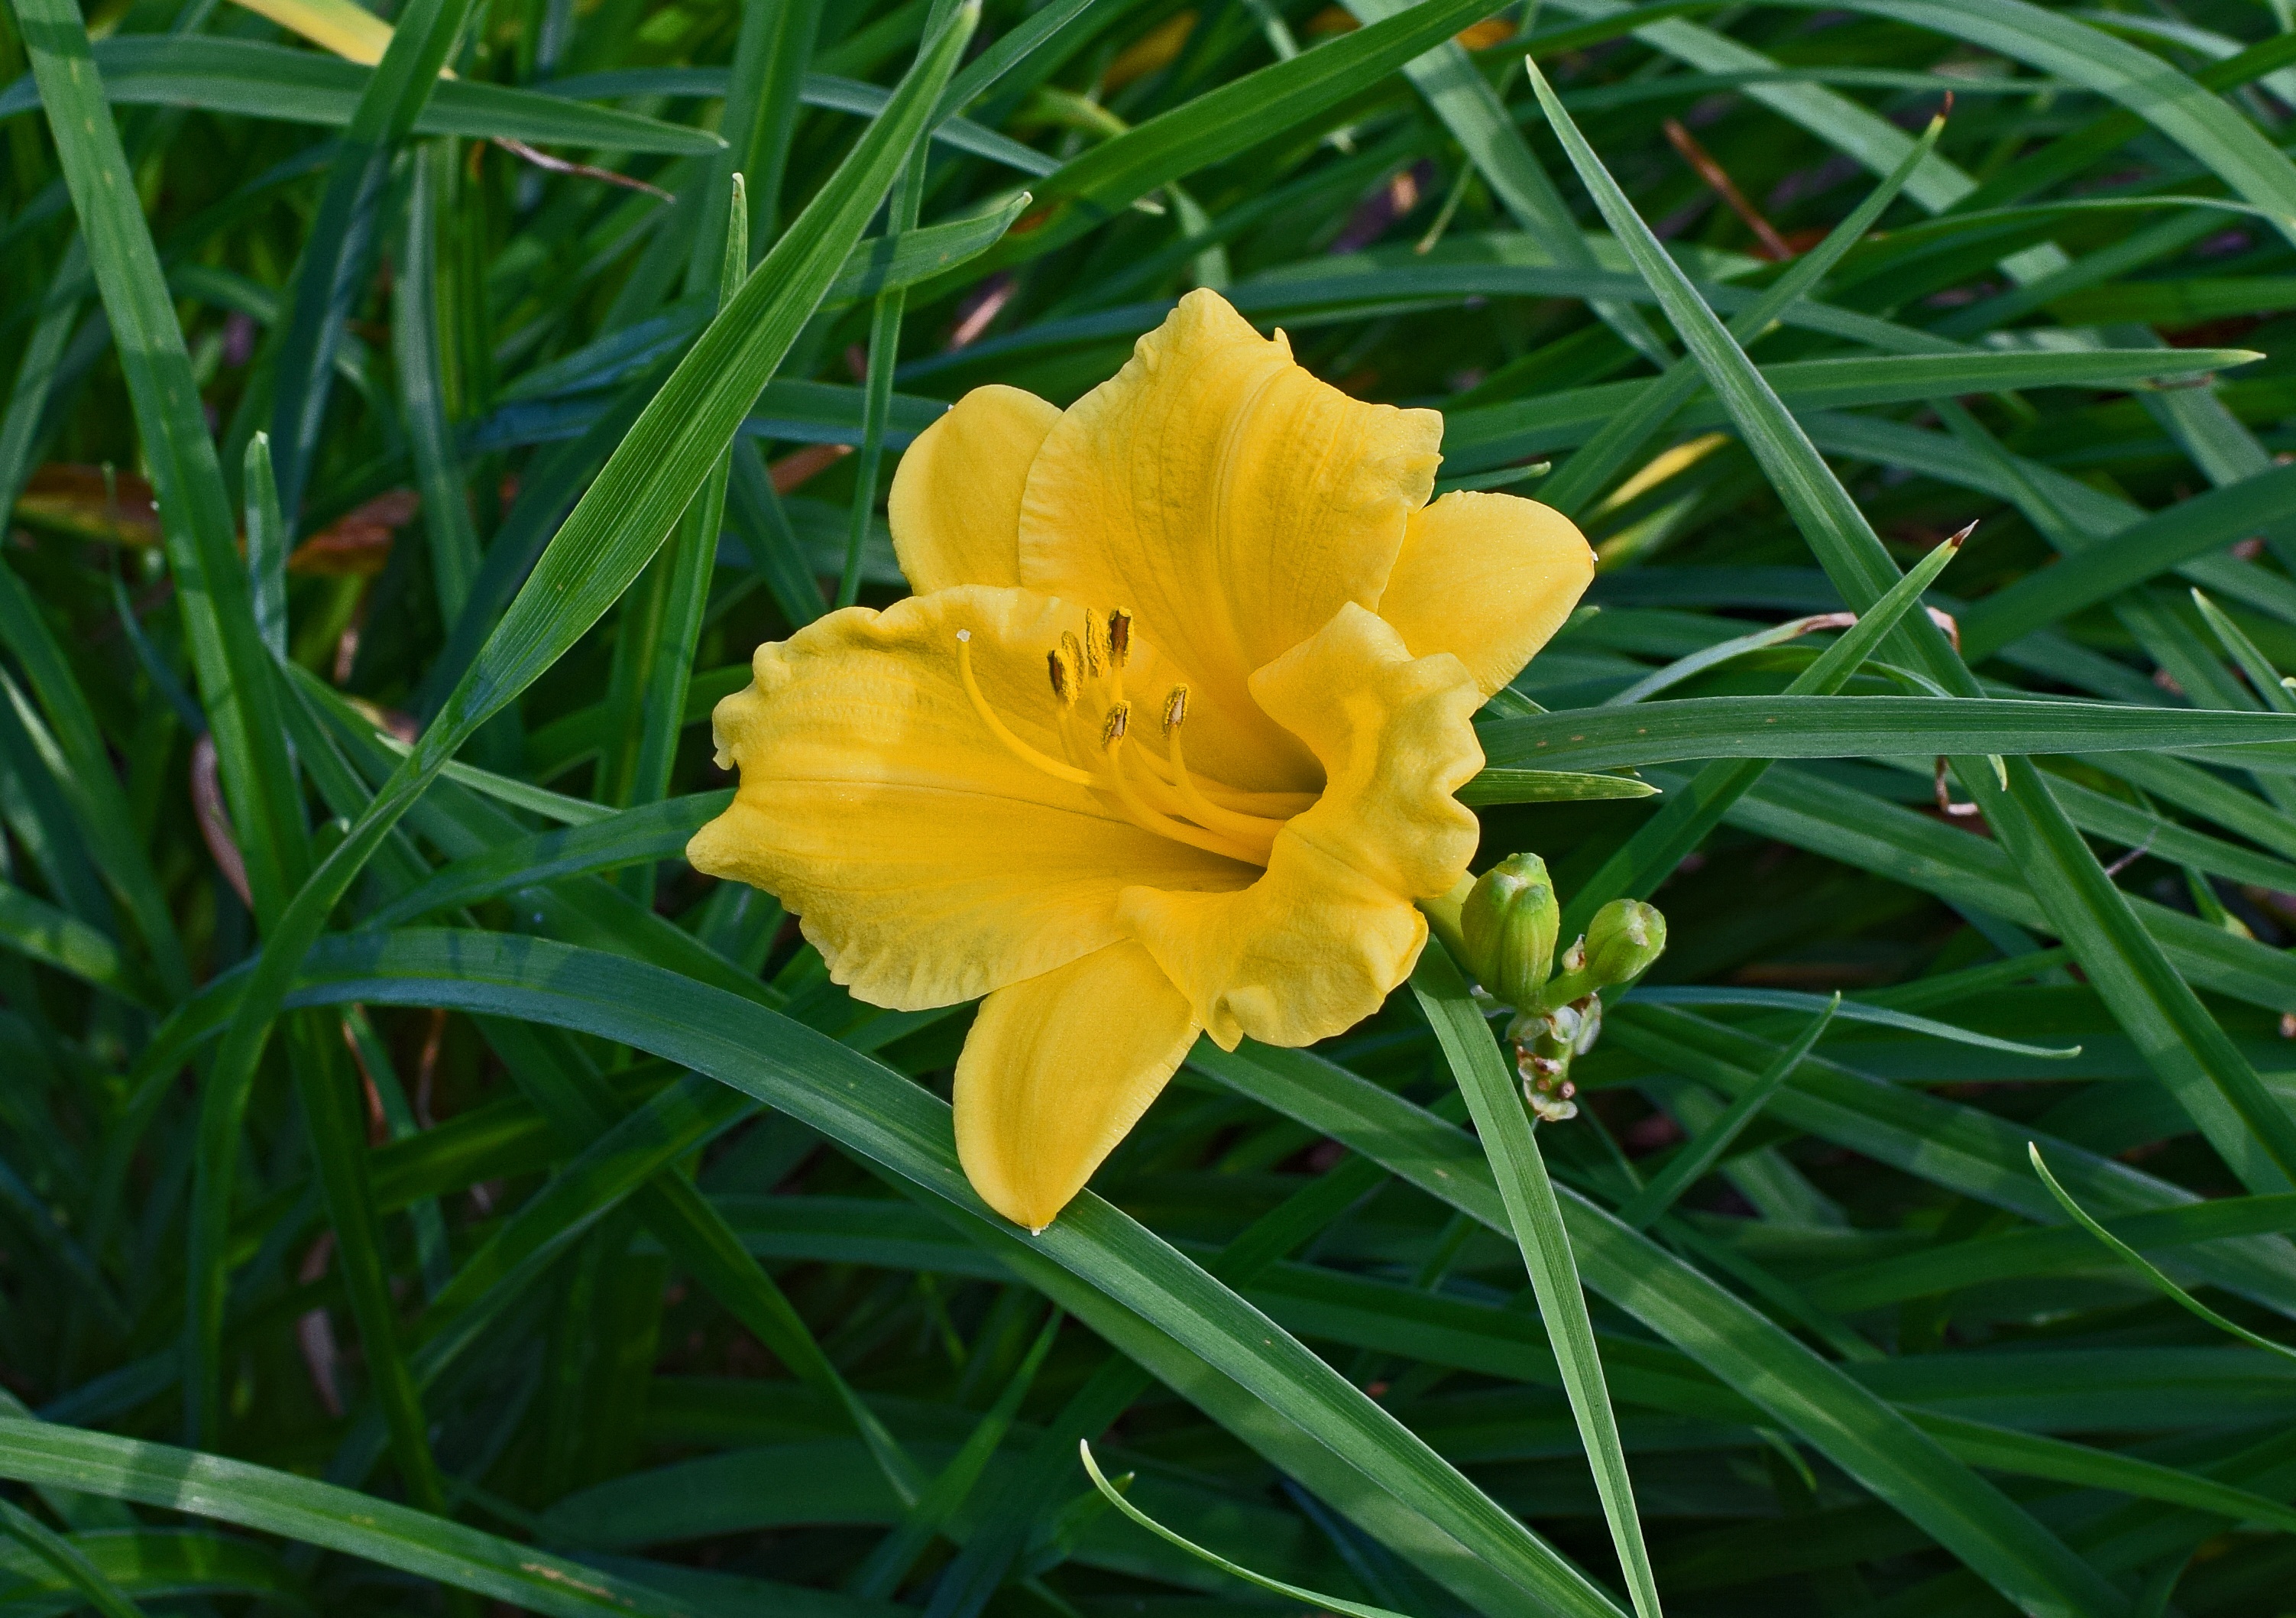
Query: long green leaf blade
column 1505, row 1128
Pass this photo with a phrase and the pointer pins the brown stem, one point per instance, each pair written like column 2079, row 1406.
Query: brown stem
column 1774, row 245
column 215, row 819
column 558, row 165
column 1946, row 805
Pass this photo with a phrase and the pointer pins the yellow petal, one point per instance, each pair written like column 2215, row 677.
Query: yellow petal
column 1396, row 738
column 349, row 31
column 955, row 501
column 1312, row 947
column 927, row 863
column 1057, row 1069
column 1234, row 503
column 346, row 29
column 1489, row 577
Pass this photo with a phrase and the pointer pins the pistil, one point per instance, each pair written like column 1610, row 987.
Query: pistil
column 997, row 727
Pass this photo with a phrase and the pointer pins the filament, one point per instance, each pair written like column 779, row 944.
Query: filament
column 1154, row 820
column 997, row 727
column 1257, row 828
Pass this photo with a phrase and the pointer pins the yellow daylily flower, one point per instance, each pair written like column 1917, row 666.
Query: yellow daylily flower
column 1165, row 742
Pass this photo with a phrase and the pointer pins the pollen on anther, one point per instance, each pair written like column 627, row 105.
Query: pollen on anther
column 1095, row 646
column 1176, row 709
column 1111, row 729
column 1062, row 669
column 1119, row 636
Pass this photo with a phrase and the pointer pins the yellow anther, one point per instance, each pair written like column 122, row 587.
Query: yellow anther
column 1112, row 727
column 1065, row 684
column 1074, row 648
column 1119, row 636
column 1095, row 646
column 1176, row 709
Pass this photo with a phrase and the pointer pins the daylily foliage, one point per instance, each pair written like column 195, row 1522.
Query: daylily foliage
column 1165, row 742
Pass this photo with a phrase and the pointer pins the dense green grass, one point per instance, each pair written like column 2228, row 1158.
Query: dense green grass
column 420, row 1191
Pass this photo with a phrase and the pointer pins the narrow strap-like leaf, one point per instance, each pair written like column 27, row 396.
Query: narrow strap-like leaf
column 1702, row 1151
column 342, row 234
column 1503, row 1126
column 340, row 1519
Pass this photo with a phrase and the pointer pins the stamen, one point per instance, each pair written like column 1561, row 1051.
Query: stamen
column 1277, row 807
column 1065, row 686
column 1157, row 799
column 1154, row 782
column 1154, row 820
column 1018, row 748
column 1095, row 646
column 1257, row 830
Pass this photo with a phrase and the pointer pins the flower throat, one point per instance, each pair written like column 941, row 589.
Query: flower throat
column 1157, row 793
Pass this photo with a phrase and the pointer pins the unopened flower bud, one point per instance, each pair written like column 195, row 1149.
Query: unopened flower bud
column 1546, row 1086
column 1625, row 937
column 1510, row 921
column 1553, row 1104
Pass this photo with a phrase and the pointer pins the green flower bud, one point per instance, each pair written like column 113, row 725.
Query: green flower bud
column 1625, row 936
column 1509, row 921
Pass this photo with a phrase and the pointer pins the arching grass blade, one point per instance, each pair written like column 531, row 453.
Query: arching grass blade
column 1316, row 1599
column 2146, row 1267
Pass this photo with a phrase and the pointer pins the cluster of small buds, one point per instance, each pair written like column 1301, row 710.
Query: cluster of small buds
column 1508, row 929
column 1544, row 1042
